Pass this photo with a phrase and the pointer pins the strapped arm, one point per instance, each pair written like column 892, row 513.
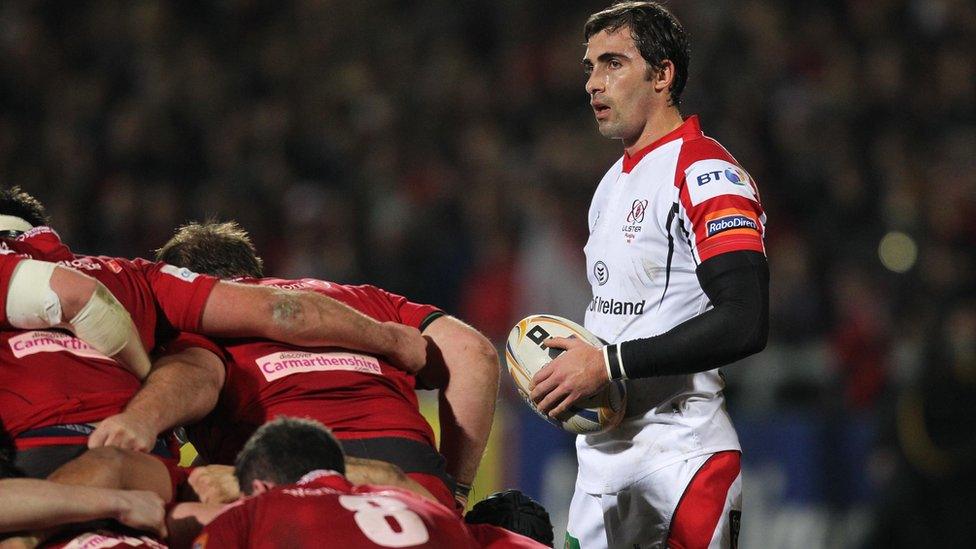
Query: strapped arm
column 42, row 294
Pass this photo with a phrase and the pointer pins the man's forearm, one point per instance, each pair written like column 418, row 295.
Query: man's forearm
column 468, row 390
column 738, row 286
column 182, row 388
column 307, row 319
column 28, row 504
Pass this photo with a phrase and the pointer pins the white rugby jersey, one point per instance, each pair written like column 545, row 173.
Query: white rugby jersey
column 654, row 217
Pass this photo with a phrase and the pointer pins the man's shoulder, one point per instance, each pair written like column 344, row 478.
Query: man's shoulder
column 702, row 148
column 42, row 243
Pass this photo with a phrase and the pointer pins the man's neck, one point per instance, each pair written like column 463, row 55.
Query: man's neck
column 660, row 124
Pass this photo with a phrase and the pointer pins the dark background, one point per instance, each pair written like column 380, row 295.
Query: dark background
column 445, row 150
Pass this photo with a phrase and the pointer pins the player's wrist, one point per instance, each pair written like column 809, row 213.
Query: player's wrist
column 613, row 362
column 461, row 493
column 118, row 504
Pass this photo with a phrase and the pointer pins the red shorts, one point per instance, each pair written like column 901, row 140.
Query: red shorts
column 437, row 487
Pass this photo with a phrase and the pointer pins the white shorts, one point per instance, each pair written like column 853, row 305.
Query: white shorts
column 696, row 503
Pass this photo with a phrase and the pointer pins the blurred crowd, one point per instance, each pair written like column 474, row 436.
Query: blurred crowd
column 444, row 149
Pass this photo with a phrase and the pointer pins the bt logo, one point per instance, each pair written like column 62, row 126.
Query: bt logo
column 734, row 175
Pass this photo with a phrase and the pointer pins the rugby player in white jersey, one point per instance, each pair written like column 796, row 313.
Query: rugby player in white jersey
column 680, row 285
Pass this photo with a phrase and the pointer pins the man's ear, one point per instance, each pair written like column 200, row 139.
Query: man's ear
column 259, row 487
column 663, row 78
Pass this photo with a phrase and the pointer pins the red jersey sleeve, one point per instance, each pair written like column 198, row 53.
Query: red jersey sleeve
column 181, row 293
column 8, row 262
column 406, row 311
column 718, row 202
column 186, row 340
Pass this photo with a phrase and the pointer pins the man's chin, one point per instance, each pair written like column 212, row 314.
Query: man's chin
column 608, row 129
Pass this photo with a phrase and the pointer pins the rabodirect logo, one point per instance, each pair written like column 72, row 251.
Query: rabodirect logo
column 729, row 222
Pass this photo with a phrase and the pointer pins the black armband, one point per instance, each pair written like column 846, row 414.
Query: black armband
column 430, row 318
column 737, row 284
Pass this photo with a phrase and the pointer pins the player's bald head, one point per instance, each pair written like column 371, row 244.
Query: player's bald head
column 223, row 250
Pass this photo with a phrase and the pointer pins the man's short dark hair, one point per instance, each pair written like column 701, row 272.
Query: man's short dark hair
column 286, row 449
column 223, row 250
column 657, row 33
column 18, row 203
column 516, row 512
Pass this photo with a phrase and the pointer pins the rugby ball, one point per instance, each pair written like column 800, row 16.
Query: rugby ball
column 525, row 355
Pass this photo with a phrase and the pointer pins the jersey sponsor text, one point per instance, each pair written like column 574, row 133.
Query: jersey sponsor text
column 614, row 307
column 43, row 341
column 725, row 223
column 286, row 363
column 713, row 177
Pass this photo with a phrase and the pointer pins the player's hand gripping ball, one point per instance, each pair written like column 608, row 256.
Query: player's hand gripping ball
column 526, row 355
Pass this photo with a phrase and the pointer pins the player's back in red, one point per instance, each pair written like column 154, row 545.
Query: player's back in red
column 359, row 396
column 57, row 385
column 367, row 403
column 325, row 510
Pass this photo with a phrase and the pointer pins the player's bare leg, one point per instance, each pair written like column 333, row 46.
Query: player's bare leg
column 110, row 467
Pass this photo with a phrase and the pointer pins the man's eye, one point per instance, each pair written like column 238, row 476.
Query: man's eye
column 587, row 70
column 614, row 64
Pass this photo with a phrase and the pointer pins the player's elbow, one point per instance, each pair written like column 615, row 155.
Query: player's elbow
column 211, row 374
column 483, row 355
column 758, row 343
column 757, row 336
column 479, row 357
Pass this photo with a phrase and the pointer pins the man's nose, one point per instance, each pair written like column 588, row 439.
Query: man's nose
column 595, row 83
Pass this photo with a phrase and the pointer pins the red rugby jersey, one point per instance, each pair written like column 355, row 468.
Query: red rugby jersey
column 355, row 394
column 325, row 510
column 49, row 377
column 489, row 536
column 8, row 260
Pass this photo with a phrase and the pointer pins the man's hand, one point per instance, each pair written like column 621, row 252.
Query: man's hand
column 142, row 510
column 408, row 350
column 215, row 484
column 124, row 430
column 25, row 541
column 576, row 373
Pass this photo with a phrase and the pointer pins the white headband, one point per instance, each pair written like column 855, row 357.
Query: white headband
column 14, row 223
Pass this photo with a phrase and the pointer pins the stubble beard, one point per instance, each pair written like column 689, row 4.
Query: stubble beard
column 609, row 128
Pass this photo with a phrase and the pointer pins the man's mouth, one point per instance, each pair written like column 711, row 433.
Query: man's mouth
column 601, row 110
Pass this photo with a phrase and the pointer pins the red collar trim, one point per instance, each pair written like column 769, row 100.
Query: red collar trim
column 689, row 128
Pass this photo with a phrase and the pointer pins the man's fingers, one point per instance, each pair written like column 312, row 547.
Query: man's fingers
column 541, row 376
column 552, row 399
column 97, row 438
column 562, row 343
column 214, row 484
column 542, row 387
column 136, row 443
column 566, row 404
